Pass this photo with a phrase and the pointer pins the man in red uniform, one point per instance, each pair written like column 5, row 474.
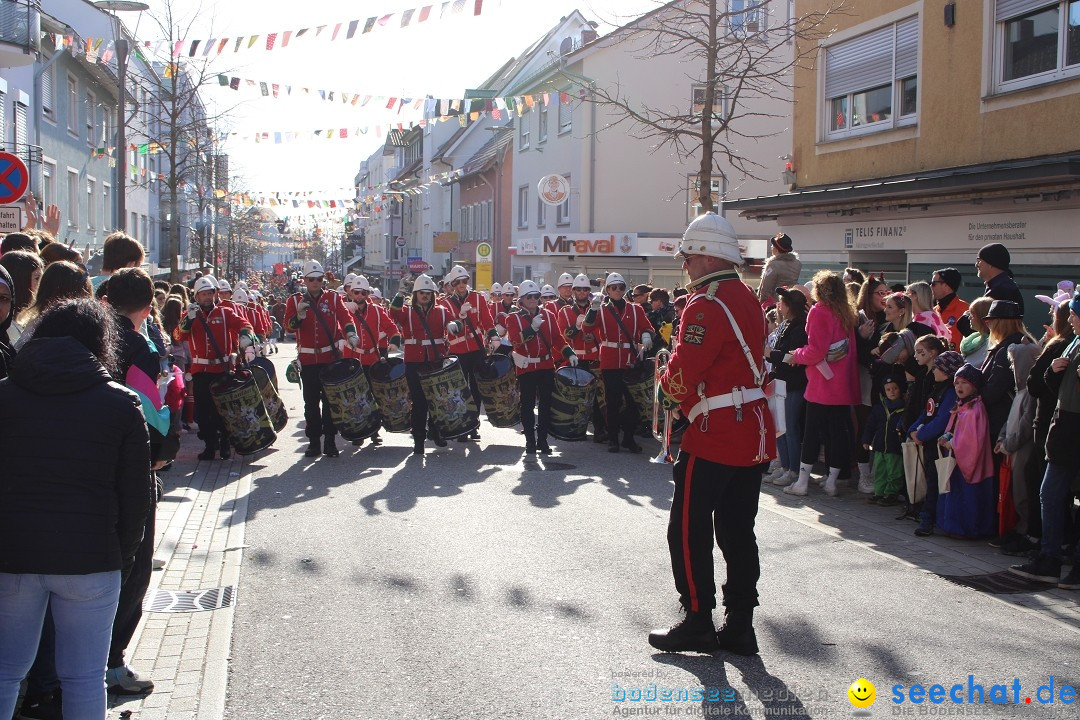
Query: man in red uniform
column 474, row 312
column 323, row 327
column 215, row 334
column 376, row 330
column 537, row 348
column 625, row 335
column 424, row 326
column 571, row 319
column 716, row 376
column 566, row 292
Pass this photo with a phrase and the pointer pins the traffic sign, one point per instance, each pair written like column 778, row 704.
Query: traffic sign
column 10, row 219
column 400, row 242
column 13, row 178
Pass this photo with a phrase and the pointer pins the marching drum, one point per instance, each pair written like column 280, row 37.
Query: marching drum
column 572, row 403
column 352, row 405
column 391, row 390
column 640, row 381
column 451, row 406
column 240, row 403
column 275, row 408
column 497, row 384
column 267, row 366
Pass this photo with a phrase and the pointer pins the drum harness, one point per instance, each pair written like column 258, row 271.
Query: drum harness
column 544, row 340
column 374, row 342
column 427, row 331
column 213, row 341
column 629, row 337
column 326, row 327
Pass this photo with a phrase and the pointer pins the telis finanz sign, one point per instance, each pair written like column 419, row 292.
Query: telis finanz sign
column 586, row 244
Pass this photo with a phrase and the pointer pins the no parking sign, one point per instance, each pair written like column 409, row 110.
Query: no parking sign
column 13, row 178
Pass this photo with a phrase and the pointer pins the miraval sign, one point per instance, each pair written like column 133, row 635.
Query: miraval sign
column 602, row 244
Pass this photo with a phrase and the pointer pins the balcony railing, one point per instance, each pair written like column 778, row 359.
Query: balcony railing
column 20, row 31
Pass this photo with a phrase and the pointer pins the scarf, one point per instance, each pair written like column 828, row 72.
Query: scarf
column 971, row 441
column 972, row 343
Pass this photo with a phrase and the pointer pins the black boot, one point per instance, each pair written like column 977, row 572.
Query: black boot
column 225, row 449
column 613, row 444
column 208, row 453
column 375, row 439
column 737, row 636
column 330, row 447
column 530, row 442
column 418, row 447
column 628, row 442
column 542, row 446
column 437, row 439
column 694, row 633
column 313, row 449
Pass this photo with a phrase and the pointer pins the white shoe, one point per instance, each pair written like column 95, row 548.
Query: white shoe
column 158, row 564
column 830, row 487
column 820, row 480
column 866, row 486
column 797, row 488
column 774, row 474
column 788, row 477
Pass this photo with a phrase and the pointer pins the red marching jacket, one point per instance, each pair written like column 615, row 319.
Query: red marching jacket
column 314, row 346
column 375, row 329
column 581, row 339
column 476, row 325
column 415, row 339
column 226, row 325
column 617, row 351
column 542, row 349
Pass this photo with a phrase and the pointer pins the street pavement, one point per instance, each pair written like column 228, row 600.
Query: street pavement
column 471, row 583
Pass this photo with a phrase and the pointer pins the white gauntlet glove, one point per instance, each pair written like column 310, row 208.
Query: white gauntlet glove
column 466, row 308
column 494, row 343
column 573, row 360
column 597, row 302
column 520, row 360
column 351, row 306
column 579, row 322
column 192, row 310
column 302, row 308
column 537, row 322
column 354, row 340
column 453, row 327
column 646, row 341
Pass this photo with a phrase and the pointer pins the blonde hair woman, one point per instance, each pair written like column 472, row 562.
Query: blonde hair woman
column 922, row 308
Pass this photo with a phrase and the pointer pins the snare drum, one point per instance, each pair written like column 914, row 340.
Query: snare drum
column 239, row 401
column 572, row 403
column 352, row 406
column 390, row 388
column 451, row 406
column 497, row 384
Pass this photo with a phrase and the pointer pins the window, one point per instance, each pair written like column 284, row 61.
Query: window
column 566, row 113
column 73, row 106
column 91, row 107
column 48, row 97
column 73, row 198
column 746, row 16
column 48, row 183
column 91, row 204
column 1038, row 41
column 541, row 212
column 542, row 111
column 871, row 81
column 720, row 98
column 465, row 224
column 523, row 131
column 3, row 120
column 22, row 127
column 487, row 220
column 562, row 210
column 693, row 196
column 106, row 206
column 133, row 226
column 523, row 206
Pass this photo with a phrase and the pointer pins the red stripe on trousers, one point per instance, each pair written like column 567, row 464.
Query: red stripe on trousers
column 688, row 568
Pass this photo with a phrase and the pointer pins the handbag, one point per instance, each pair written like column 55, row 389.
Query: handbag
column 776, row 406
column 914, row 471
column 945, row 466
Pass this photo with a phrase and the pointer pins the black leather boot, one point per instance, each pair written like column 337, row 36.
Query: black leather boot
column 737, row 635
column 418, row 447
column 208, row 453
column 330, row 447
column 225, row 449
column 542, row 446
column 313, row 449
column 530, row 442
column 694, row 633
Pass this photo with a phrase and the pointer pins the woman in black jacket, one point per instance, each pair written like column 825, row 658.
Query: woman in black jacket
column 75, row 501
column 7, row 302
column 790, row 337
column 1006, row 323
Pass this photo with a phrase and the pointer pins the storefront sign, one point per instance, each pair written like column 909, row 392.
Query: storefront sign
column 587, row 244
column 553, row 189
column 417, row 264
column 444, row 242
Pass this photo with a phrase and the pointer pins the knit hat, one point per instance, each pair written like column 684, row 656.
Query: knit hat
column 970, row 373
column 995, row 254
column 951, row 277
column 905, row 341
column 1074, row 304
column 782, row 242
column 948, row 362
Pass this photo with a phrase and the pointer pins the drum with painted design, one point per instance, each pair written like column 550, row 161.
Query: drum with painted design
column 640, row 382
column 275, row 408
column 497, row 384
column 239, row 402
column 391, row 390
column 572, row 403
column 352, row 405
column 451, row 406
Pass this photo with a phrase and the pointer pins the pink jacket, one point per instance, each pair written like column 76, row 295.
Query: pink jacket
column 823, row 329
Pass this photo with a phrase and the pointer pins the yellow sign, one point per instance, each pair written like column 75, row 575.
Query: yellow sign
column 483, row 266
column 444, row 242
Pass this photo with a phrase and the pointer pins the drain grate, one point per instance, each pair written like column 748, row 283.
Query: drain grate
column 999, row 583
column 188, row 601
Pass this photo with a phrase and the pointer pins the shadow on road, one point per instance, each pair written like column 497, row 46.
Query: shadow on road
column 723, row 699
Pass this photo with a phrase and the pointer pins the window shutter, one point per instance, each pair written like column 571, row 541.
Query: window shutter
column 47, row 90
column 860, row 63
column 907, row 48
column 1008, row 9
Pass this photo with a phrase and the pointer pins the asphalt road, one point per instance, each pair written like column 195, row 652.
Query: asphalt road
column 471, row 584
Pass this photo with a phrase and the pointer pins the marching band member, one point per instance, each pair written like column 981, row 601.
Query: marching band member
column 715, row 376
column 548, row 297
column 502, row 305
column 474, row 313
column 323, row 326
column 377, row 331
column 215, row 333
column 571, row 319
column 535, row 337
column 625, row 334
column 566, row 292
column 424, row 325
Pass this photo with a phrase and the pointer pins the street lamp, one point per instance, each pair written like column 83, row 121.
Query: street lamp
column 122, row 50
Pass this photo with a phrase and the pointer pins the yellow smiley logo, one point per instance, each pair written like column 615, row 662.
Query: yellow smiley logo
column 862, row 693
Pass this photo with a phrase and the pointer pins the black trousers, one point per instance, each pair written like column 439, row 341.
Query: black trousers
column 129, row 607
column 599, row 420
column 421, row 422
column 212, row 428
column 713, row 499
column 316, row 419
column 622, row 411
column 830, row 424
column 536, row 385
column 470, row 365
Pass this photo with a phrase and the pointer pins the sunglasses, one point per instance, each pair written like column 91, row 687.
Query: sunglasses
column 531, row 296
column 616, row 287
column 460, row 281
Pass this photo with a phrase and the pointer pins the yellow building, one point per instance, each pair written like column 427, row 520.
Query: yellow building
column 925, row 130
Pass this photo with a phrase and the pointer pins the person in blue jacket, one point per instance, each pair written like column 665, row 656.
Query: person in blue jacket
column 930, row 426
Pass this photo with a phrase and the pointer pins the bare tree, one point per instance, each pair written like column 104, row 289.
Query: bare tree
column 737, row 60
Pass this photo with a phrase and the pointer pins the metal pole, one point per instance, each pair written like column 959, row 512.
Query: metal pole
column 121, row 134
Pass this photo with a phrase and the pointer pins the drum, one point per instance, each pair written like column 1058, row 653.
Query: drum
column 451, row 406
column 497, row 384
column 352, row 405
column 640, row 382
column 239, row 402
column 572, row 403
column 268, row 367
column 391, row 390
column 275, row 408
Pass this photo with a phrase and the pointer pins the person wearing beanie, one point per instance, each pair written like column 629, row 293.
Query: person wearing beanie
column 993, row 268
column 930, row 426
column 781, row 270
column 944, row 284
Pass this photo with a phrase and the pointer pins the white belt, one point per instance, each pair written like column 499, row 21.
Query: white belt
column 727, row 400
column 205, row 361
column 316, row 351
column 532, row 360
column 439, row 341
column 627, row 346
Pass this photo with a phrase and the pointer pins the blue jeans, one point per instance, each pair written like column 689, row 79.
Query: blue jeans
column 1055, row 496
column 789, row 445
column 83, row 608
